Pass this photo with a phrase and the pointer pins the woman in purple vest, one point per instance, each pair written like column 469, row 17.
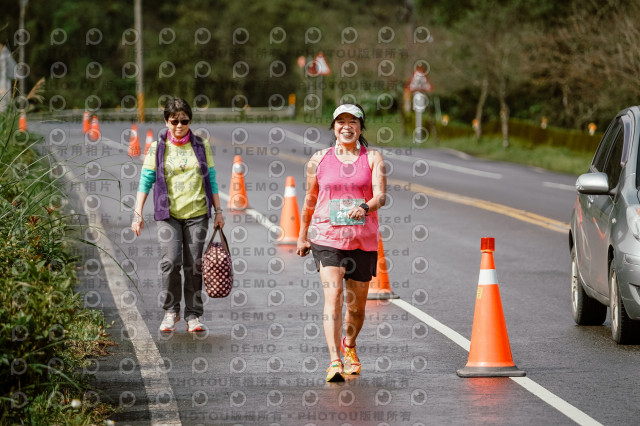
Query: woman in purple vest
column 346, row 185
column 181, row 166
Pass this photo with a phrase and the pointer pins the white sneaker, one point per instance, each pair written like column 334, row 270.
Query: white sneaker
column 194, row 324
column 169, row 321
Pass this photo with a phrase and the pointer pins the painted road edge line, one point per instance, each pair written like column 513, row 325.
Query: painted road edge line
column 155, row 380
column 553, row 400
column 563, row 186
column 259, row 217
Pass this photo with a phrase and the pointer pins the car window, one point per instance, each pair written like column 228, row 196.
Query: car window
column 597, row 165
column 613, row 166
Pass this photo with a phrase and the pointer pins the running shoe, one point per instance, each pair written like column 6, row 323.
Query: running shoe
column 351, row 361
column 194, row 325
column 335, row 371
column 169, row 321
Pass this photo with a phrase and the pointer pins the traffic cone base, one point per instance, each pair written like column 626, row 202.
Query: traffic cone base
column 380, row 285
column 290, row 216
column 490, row 372
column 490, row 352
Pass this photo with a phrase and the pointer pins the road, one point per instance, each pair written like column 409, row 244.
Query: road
column 263, row 360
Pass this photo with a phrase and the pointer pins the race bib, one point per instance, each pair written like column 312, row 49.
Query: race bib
column 339, row 208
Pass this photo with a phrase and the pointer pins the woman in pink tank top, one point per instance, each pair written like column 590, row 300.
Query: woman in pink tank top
column 346, row 185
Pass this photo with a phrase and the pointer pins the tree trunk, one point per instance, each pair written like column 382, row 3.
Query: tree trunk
column 484, row 92
column 504, row 120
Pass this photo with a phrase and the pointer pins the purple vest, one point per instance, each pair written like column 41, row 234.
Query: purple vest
column 160, row 192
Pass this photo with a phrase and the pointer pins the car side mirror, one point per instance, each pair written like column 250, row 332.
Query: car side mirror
column 593, row 184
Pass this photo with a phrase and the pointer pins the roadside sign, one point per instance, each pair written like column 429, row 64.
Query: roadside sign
column 420, row 82
column 318, row 66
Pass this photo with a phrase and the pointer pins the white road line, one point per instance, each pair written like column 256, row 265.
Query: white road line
column 388, row 152
column 571, row 188
column 561, row 405
column 259, row 217
column 441, row 165
column 553, row 400
column 163, row 407
column 294, row 136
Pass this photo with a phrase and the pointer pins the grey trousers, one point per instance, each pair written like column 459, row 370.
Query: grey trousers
column 181, row 246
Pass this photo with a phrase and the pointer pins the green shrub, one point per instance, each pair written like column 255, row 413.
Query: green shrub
column 573, row 140
column 46, row 335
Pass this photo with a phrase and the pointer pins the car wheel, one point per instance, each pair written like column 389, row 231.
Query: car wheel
column 585, row 310
column 624, row 330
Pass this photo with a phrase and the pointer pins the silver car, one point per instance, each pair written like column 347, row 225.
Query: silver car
column 605, row 233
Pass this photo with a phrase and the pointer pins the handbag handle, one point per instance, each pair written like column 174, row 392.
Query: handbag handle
column 222, row 238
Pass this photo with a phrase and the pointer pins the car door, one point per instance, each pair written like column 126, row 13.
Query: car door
column 599, row 208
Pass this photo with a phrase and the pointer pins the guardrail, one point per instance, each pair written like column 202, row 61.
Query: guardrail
column 249, row 114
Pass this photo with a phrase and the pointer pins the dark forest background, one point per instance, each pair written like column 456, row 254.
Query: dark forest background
column 573, row 62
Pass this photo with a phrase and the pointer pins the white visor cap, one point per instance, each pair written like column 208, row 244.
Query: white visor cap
column 349, row 109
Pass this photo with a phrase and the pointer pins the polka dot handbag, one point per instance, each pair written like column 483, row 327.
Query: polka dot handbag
column 217, row 270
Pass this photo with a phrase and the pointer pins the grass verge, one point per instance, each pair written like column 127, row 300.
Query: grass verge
column 47, row 337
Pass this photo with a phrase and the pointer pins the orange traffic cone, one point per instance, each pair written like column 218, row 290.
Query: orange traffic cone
column 380, row 285
column 22, row 122
column 290, row 217
column 94, row 131
column 86, row 125
column 490, row 353
column 134, row 142
column 148, row 141
column 237, row 193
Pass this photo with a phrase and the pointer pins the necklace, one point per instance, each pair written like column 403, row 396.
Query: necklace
column 342, row 149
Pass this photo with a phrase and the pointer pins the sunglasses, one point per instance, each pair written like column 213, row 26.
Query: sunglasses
column 183, row 122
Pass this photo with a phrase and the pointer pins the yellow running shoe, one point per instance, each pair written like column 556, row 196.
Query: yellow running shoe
column 335, row 371
column 351, row 360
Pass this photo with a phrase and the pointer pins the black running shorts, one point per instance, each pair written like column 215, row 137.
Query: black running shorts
column 359, row 265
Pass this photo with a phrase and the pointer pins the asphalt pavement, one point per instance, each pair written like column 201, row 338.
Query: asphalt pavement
column 264, row 357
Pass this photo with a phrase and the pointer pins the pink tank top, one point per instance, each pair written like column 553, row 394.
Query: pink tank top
column 337, row 180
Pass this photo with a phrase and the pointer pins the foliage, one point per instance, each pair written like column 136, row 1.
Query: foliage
column 46, row 335
column 573, row 140
column 574, row 62
column 558, row 159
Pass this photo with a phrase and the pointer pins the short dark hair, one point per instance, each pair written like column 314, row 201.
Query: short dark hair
column 176, row 105
column 362, row 140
